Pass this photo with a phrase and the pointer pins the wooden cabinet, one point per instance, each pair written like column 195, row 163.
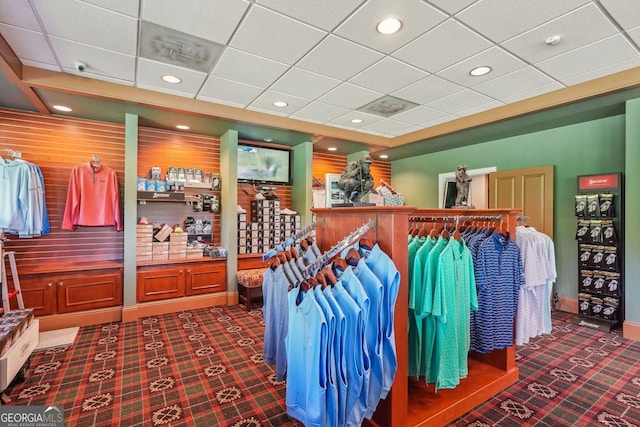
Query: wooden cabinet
column 163, row 281
column 66, row 292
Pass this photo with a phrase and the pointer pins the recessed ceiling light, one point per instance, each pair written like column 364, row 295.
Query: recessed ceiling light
column 280, row 104
column 62, row 108
column 172, row 79
column 332, row 149
column 389, row 25
column 268, row 140
column 182, row 127
column 384, row 156
column 480, row 71
column 356, row 120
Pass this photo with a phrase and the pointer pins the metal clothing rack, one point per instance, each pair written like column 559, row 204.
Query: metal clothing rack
column 315, row 266
column 291, row 240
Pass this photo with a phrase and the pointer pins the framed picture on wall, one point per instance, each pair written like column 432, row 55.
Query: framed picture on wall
column 333, row 194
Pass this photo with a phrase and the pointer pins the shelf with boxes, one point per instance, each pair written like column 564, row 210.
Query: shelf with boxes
column 598, row 208
column 163, row 245
column 268, row 225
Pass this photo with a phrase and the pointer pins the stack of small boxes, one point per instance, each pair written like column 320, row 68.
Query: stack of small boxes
column 178, row 246
column 268, row 227
column 12, row 325
column 144, row 242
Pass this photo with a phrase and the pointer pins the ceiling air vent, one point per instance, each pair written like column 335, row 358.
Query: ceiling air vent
column 173, row 47
column 387, row 106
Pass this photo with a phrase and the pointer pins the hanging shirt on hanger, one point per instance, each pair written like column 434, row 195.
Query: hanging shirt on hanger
column 93, row 198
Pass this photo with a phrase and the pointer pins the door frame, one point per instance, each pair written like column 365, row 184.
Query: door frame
column 443, row 178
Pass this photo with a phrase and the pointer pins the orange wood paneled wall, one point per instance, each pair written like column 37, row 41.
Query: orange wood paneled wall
column 163, row 148
column 56, row 145
column 324, row 163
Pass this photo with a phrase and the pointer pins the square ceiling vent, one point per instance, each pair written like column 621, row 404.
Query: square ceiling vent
column 173, row 47
column 387, row 106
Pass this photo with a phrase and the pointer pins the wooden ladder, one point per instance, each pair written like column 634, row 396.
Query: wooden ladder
column 16, row 292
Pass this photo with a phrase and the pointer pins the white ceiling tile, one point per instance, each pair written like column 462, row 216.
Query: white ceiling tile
column 578, row 28
column 73, row 20
column 319, row 112
column 265, row 101
column 304, row 83
column 128, row 7
column 247, row 68
column 479, row 108
column 388, row 75
column 409, row 129
column 634, row 33
column 98, row 61
column 442, row 47
column 500, row 20
column 589, row 58
column 427, row 90
column 213, row 20
column 42, row 65
column 452, row 6
column 460, row 101
column 438, row 121
column 156, row 88
column 28, row 44
column 419, row 115
column 350, row 96
column 532, row 93
column 625, row 12
column 524, row 80
column 338, row 58
column 325, row 14
column 387, row 126
column 228, row 92
column 501, row 63
column 275, row 36
column 18, row 13
column 99, row 77
column 604, row 71
column 416, row 16
column 149, row 73
column 345, row 120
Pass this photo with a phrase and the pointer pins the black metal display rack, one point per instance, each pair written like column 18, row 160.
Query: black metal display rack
column 599, row 209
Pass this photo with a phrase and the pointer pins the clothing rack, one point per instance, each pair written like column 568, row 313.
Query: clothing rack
column 413, row 403
column 315, row 266
column 291, row 240
column 14, row 153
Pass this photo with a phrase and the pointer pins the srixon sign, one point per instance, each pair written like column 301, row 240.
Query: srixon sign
column 609, row 181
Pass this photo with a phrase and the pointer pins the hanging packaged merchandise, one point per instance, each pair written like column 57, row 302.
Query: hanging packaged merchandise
column 582, row 233
column 595, row 231
column 610, row 308
column 215, row 203
column 581, row 205
column 595, row 306
column 608, row 232
column 584, row 303
column 584, row 256
column 593, row 205
column 610, row 259
column 612, row 283
column 606, row 205
column 586, row 279
column 598, row 281
column 597, row 257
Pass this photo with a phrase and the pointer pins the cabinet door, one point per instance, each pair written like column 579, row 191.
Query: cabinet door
column 160, row 283
column 205, row 278
column 39, row 293
column 89, row 290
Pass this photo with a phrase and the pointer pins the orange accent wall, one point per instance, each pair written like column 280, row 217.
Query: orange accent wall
column 56, row 145
column 324, row 163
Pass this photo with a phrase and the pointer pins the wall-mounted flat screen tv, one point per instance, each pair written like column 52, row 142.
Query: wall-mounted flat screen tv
column 264, row 164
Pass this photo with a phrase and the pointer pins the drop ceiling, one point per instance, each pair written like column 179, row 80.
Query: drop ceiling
column 325, row 59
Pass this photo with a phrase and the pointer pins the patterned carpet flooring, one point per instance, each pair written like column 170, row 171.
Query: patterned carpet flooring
column 204, row 368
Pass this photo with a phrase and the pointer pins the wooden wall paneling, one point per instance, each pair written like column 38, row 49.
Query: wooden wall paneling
column 164, row 148
column 56, row 145
column 324, row 163
column 381, row 170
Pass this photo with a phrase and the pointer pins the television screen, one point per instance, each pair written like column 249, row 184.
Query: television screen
column 264, row 164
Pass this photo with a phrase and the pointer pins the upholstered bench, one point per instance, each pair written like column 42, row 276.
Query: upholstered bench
column 249, row 285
